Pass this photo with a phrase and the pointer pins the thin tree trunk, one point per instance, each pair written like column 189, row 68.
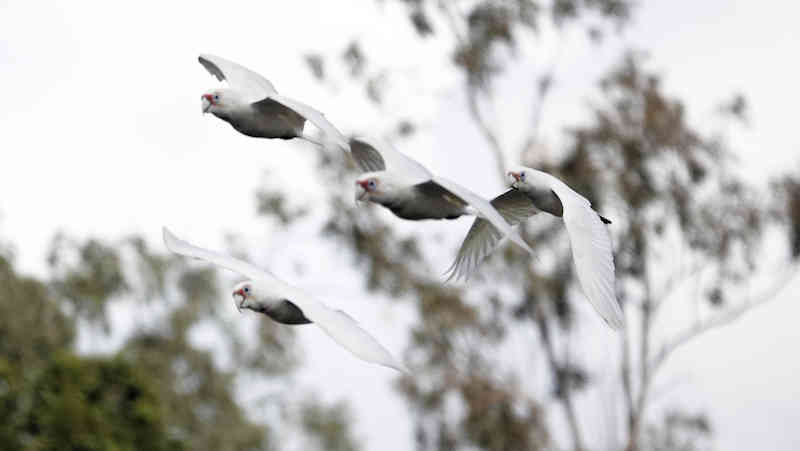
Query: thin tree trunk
column 566, row 395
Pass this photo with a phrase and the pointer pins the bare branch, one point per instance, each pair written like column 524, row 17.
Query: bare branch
column 625, row 370
column 540, row 320
column 677, row 279
column 721, row 319
column 472, row 100
column 488, row 133
column 540, row 98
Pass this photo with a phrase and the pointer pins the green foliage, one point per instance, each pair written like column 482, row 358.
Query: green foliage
column 32, row 326
column 87, row 275
column 198, row 400
column 93, row 404
column 329, row 425
column 160, row 391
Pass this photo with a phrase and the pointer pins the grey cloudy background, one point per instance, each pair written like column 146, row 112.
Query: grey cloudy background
column 101, row 134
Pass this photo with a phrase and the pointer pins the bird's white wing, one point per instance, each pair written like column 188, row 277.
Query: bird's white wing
column 592, row 253
column 251, row 85
column 244, row 268
column 485, row 210
column 344, row 330
column 375, row 155
column 331, row 133
column 482, row 238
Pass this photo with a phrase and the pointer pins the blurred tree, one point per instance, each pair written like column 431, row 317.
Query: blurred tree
column 328, row 425
column 160, row 390
column 686, row 220
column 93, row 404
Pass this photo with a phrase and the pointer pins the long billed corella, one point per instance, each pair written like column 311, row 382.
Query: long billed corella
column 254, row 108
column 534, row 191
column 262, row 292
column 410, row 191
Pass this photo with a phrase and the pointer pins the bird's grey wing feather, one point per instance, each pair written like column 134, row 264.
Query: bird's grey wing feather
column 434, row 201
column 366, row 156
column 250, row 84
column 378, row 154
column 280, row 120
column 481, row 240
column 485, row 210
column 330, row 133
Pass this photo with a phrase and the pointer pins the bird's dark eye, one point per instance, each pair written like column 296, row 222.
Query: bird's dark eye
column 522, row 175
column 216, row 97
column 371, row 184
column 246, row 289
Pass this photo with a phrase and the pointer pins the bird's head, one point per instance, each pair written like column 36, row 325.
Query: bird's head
column 216, row 101
column 522, row 177
column 244, row 295
column 372, row 186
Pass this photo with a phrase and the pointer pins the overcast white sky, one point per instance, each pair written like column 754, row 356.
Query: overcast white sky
column 102, row 135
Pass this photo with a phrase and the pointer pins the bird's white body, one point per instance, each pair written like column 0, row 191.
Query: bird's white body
column 265, row 293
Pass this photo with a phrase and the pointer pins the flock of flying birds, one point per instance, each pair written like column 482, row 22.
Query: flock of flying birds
column 253, row 107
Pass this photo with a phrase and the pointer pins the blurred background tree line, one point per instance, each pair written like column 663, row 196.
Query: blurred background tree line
column 689, row 233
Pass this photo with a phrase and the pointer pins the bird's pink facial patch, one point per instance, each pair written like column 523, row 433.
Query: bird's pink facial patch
column 514, row 174
column 364, row 184
column 209, row 97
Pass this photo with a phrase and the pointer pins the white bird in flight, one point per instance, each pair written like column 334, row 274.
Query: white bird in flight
column 264, row 293
column 535, row 191
column 254, row 108
column 410, row 191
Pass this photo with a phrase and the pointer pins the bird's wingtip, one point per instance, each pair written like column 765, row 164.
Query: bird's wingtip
column 169, row 238
column 616, row 323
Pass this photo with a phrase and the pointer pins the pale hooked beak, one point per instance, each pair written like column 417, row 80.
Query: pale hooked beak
column 361, row 191
column 239, row 298
column 516, row 176
column 207, row 102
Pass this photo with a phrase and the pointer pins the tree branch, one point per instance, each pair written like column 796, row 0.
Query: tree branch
column 540, row 320
column 488, row 133
column 542, row 93
column 721, row 319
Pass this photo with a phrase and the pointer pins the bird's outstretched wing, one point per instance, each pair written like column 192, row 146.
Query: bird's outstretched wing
column 344, row 330
column 374, row 155
column 482, row 238
column 251, row 85
column 244, row 268
column 331, row 133
column 592, row 253
column 485, row 210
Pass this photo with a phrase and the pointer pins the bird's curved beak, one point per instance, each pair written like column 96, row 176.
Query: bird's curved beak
column 516, row 176
column 239, row 298
column 207, row 102
column 361, row 190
